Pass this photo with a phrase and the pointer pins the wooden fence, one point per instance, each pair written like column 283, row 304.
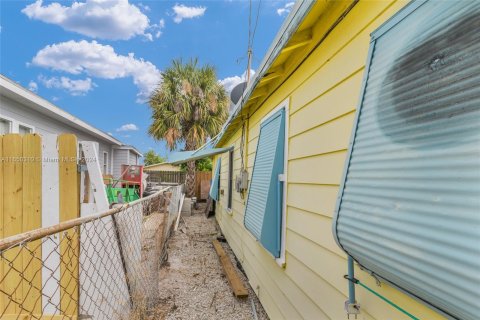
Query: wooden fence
column 177, row 177
column 202, row 180
column 202, row 184
column 23, row 160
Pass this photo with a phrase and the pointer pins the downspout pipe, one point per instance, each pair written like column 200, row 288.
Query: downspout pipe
column 351, row 284
column 351, row 305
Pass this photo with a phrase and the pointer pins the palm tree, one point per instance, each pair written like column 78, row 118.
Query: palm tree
column 189, row 106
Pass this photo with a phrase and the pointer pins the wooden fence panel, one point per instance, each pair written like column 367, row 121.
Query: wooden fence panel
column 69, row 209
column 12, row 208
column 202, row 180
column 2, row 302
column 32, row 219
column 202, row 184
column 21, row 211
column 177, row 177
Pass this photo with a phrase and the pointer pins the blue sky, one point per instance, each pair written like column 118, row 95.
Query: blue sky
column 99, row 59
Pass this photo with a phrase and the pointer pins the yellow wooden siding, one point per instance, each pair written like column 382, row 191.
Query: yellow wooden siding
column 323, row 94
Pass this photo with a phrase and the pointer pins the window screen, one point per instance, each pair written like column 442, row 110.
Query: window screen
column 410, row 201
column 263, row 214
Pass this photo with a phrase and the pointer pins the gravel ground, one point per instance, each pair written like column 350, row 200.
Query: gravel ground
column 192, row 283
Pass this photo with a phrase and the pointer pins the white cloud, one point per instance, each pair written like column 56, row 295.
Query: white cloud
column 161, row 23
column 127, row 127
column 230, row 82
column 74, row 87
column 159, row 27
column 101, row 61
column 33, row 86
column 285, row 9
column 184, row 12
column 144, row 7
column 111, row 19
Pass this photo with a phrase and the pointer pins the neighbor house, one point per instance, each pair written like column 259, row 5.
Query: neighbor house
column 360, row 134
column 22, row 111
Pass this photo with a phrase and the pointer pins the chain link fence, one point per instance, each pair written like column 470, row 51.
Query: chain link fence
column 103, row 266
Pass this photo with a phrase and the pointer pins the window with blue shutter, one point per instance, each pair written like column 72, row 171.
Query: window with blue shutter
column 263, row 213
column 214, row 188
column 409, row 208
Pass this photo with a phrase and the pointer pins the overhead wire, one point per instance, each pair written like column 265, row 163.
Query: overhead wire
column 251, row 38
column 256, row 24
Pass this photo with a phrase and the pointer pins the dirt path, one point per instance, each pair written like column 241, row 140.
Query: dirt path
column 192, row 283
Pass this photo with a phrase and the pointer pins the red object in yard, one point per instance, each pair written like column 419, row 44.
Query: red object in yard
column 132, row 176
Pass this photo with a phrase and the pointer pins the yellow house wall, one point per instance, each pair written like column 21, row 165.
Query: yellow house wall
column 323, row 95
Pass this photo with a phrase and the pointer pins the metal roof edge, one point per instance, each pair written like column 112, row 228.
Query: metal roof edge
column 288, row 28
column 187, row 156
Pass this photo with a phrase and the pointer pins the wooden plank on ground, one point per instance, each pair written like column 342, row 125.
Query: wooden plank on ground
column 180, row 205
column 207, row 208
column 236, row 283
column 69, row 209
column 32, row 219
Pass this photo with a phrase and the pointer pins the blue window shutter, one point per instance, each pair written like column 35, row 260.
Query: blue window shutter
column 263, row 214
column 216, row 181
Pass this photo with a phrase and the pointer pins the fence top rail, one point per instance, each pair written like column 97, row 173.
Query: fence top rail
column 39, row 233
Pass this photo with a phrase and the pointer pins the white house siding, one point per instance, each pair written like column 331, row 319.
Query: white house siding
column 133, row 159
column 123, row 156
column 10, row 109
column 120, row 157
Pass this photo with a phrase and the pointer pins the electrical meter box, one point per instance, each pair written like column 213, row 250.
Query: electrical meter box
column 241, row 181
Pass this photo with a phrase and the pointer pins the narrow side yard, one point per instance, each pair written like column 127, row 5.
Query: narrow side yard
column 192, row 282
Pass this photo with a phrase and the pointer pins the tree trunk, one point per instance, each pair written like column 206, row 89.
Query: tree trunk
column 191, row 169
column 190, row 179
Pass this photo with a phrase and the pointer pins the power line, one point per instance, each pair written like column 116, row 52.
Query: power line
column 251, row 36
column 256, row 23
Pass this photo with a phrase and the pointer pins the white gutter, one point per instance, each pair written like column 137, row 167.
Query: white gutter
column 13, row 90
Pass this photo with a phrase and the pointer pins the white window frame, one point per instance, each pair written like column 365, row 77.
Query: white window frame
column 230, row 180
column 112, row 152
column 105, row 162
column 10, row 130
column 285, row 104
column 32, row 128
column 15, row 124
